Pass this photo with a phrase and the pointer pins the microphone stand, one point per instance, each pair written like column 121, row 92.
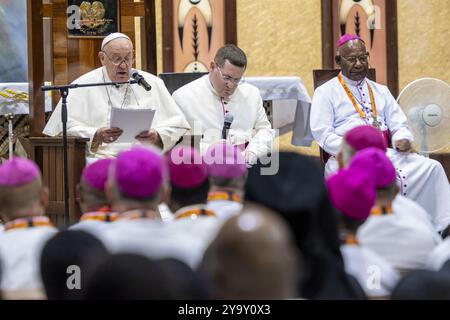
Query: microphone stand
column 64, row 90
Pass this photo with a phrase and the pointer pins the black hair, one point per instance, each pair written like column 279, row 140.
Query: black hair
column 185, row 197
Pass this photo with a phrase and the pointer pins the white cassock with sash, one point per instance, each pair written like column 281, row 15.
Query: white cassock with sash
column 20, row 254
column 205, row 110
column 333, row 114
column 224, row 204
column 185, row 239
column 90, row 109
column 402, row 237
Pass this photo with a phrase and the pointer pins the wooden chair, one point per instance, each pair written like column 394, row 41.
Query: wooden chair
column 320, row 76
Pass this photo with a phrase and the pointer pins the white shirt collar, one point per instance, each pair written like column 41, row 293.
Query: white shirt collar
column 353, row 82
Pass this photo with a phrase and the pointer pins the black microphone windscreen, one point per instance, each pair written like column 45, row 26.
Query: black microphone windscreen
column 133, row 73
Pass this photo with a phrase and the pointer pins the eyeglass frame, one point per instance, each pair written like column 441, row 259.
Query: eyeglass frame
column 363, row 58
column 121, row 61
column 231, row 79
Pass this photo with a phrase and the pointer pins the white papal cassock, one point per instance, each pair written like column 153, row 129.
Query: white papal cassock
column 333, row 114
column 204, row 110
column 90, row 109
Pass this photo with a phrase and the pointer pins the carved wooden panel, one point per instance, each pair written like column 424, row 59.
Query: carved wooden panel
column 48, row 153
column 373, row 20
column 193, row 30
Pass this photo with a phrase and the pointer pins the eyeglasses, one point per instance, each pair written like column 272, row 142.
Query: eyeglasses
column 363, row 58
column 231, row 79
column 129, row 60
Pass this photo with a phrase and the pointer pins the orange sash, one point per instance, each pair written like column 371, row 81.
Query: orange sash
column 103, row 214
column 195, row 213
column 378, row 211
column 355, row 103
column 223, row 195
column 23, row 223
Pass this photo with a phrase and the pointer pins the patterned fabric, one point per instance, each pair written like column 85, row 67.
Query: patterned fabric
column 20, row 130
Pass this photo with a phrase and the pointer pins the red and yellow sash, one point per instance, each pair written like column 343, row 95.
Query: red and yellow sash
column 225, row 196
column 138, row 214
column 24, row 223
column 195, row 213
column 355, row 103
column 104, row 214
column 379, row 211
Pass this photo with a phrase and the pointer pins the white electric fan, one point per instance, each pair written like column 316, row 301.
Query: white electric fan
column 426, row 103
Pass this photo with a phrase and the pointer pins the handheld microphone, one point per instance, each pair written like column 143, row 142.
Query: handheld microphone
column 228, row 119
column 134, row 74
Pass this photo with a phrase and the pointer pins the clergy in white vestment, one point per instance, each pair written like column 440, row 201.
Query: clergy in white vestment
column 362, row 137
column 189, row 185
column 96, row 208
column 89, row 109
column 351, row 100
column 23, row 201
column 136, row 185
column 227, row 176
column 352, row 192
column 221, row 99
column 402, row 238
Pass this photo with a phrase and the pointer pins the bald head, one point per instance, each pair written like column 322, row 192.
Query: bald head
column 253, row 257
column 352, row 57
column 91, row 199
column 117, row 57
column 27, row 200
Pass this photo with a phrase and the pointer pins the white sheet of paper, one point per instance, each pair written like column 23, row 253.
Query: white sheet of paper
column 131, row 121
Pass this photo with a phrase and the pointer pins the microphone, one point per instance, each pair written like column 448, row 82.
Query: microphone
column 134, row 74
column 228, row 119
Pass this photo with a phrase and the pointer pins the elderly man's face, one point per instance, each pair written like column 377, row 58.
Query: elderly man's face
column 353, row 60
column 118, row 58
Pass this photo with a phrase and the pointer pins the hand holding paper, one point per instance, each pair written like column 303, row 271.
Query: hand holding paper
column 133, row 122
column 150, row 136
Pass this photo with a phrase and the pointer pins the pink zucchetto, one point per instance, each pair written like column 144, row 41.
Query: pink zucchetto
column 139, row 172
column 376, row 161
column 346, row 38
column 352, row 192
column 362, row 137
column 18, row 172
column 225, row 161
column 96, row 174
column 187, row 170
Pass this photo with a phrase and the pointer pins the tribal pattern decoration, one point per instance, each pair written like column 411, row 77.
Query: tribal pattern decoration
column 205, row 8
column 368, row 8
column 196, row 18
